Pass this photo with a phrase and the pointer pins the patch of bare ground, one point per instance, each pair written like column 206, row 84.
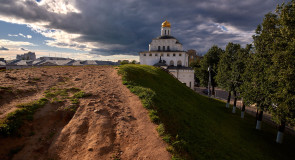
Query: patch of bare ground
column 109, row 124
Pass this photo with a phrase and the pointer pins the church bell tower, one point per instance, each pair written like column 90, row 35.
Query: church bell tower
column 165, row 29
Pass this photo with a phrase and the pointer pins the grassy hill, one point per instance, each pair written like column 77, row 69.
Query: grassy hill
column 197, row 127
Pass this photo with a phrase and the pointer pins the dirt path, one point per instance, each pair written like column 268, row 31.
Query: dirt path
column 110, row 124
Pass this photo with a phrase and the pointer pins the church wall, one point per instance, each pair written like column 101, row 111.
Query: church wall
column 151, row 60
column 184, row 76
column 148, row 60
column 165, row 42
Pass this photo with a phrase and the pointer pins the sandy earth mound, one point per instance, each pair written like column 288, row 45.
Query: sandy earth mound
column 110, row 124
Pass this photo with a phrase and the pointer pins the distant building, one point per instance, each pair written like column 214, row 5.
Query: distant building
column 54, row 58
column 2, row 59
column 26, row 56
column 19, row 64
column 2, row 64
column 166, row 51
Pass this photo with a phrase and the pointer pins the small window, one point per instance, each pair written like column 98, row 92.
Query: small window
column 179, row 54
column 165, row 32
column 168, row 48
column 168, row 32
column 150, row 54
column 163, row 48
column 156, row 54
column 159, row 48
column 174, row 55
column 168, row 55
column 162, row 54
column 144, row 54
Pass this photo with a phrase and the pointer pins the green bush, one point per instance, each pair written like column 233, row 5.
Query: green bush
column 13, row 121
column 75, row 101
column 154, row 116
column 81, row 94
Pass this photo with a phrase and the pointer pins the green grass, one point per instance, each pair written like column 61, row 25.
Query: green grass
column 81, row 94
column 5, row 88
column 13, row 121
column 56, row 95
column 197, row 127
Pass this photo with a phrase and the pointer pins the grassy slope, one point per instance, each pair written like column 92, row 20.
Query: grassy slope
column 210, row 130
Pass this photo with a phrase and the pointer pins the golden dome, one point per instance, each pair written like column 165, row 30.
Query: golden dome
column 166, row 24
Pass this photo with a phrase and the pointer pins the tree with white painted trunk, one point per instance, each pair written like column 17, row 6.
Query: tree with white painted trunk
column 257, row 89
column 228, row 76
column 224, row 77
column 282, row 71
column 253, row 88
column 238, row 70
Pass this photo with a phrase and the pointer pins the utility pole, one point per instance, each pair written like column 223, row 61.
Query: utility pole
column 209, row 82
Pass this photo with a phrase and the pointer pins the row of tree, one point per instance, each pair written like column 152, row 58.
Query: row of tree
column 262, row 74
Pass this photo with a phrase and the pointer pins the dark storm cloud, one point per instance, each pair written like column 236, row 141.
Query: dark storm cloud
column 133, row 23
column 3, row 48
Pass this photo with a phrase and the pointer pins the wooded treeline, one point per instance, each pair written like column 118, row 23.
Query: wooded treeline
column 262, row 73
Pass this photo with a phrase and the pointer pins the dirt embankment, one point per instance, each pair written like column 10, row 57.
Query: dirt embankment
column 110, row 124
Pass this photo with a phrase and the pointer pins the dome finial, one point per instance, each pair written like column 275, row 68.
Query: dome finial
column 166, row 24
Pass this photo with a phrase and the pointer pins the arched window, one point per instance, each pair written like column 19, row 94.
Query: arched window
column 173, row 54
column 144, row 54
column 163, row 48
column 150, row 54
column 156, row 54
column 179, row 63
column 171, row 63
column 159, row 48
column 168, row 48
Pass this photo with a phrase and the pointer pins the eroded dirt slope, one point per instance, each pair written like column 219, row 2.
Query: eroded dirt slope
column 110, row 124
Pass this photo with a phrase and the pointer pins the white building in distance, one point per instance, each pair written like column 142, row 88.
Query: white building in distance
column 26, row 56
column 166, row 51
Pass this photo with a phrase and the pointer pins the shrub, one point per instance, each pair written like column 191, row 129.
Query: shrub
column 75, row 101
column 81, row 94
column 72, row 108
column 154, row 116
column 10, row 124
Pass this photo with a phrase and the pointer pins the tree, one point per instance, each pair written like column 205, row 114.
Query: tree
column 196, row 65
column 282, row 71
column 124, row 62
column 257, row 88
column 238, row 70
column 224, row 76
column 211, row 58
column 133, row 62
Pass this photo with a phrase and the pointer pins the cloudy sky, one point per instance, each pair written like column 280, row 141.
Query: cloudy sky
column 119, row 29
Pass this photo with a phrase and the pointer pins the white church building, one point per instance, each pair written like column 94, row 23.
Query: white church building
column 166, row 51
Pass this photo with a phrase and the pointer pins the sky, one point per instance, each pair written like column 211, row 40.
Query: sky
column 119, row 29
